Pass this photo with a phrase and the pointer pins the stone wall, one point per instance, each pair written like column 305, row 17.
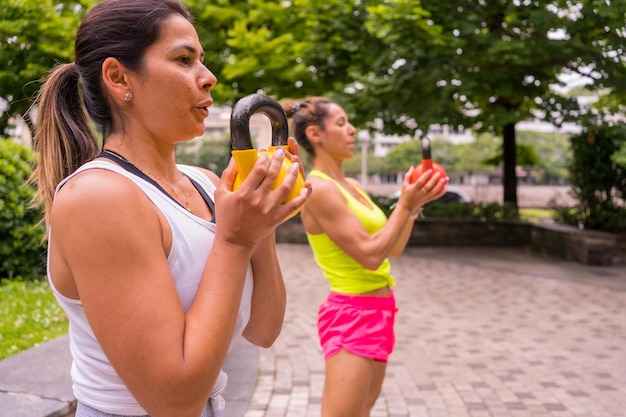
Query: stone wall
column 469, row 232
column 559, row 241
column 585, row 246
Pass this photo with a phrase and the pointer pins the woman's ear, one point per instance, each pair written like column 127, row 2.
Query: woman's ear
column 314, row 134
column 115, row 78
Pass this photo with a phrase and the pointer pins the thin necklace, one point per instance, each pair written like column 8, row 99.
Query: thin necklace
column 187, row 204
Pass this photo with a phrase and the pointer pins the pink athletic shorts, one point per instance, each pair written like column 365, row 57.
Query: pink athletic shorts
column 362, row 325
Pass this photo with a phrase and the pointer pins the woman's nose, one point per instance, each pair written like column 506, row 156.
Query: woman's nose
column 207, row 80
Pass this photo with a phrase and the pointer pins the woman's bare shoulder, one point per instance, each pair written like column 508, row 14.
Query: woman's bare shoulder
column 97, row 185
column 101, row 196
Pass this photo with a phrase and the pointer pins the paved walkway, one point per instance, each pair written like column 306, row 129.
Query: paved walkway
column 482, row 332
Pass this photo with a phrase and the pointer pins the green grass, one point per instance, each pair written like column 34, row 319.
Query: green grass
column 535, row 215
column 29, row 315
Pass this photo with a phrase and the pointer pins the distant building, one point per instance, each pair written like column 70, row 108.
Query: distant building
column 382, row 143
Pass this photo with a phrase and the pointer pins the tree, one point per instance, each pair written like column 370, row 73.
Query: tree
column 409, row 153
column 34, row 36
column 526, row 157
column 555, row 152
column 498, row 60
column 283, row 49
column 471, row 156
column 210, row 153
column 482, row 64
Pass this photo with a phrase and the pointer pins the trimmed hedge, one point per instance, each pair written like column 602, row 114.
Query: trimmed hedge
column 452, row 210
column 22, row 254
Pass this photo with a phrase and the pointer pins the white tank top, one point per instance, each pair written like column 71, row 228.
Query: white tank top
column 95, row 382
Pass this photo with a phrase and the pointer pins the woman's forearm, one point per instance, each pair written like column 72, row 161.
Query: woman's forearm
column 403, row 239
column 268, row 296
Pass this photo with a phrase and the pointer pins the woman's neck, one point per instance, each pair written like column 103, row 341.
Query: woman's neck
column 146, row 157
column 330, row 167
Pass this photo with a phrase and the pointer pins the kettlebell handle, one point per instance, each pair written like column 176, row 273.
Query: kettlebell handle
column 426, row 148
column 240, row 120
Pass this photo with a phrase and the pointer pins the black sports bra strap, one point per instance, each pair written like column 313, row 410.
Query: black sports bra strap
column 124, row 163
column 121, row 161
column 204, row 195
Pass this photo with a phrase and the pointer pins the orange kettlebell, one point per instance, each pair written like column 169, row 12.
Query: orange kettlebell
column 427, row 163
column 242, row 150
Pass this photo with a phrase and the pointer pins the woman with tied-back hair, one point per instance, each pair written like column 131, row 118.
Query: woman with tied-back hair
column 352, row 240
column 160, row 267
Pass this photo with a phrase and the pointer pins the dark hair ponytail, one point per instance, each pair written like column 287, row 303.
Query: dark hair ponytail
column 64, row 139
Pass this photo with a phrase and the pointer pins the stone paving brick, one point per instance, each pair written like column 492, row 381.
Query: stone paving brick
column 481, row 332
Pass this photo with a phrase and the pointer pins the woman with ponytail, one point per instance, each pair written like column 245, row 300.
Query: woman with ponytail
column 352, row 240
column 161, row 267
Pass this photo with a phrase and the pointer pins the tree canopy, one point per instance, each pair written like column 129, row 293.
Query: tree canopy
column 35, row 35
column 481, row 64
column 484, row 64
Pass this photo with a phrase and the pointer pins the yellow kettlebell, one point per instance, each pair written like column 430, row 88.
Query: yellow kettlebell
column 245, row 154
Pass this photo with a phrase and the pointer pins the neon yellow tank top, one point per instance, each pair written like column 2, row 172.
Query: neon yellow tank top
column 345, row 275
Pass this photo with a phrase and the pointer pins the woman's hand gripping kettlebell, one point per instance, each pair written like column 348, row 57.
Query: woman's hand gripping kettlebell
column 424, row 182
column 268, row 182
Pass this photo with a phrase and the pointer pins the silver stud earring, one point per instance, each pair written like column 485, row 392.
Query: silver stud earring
column 128, row 96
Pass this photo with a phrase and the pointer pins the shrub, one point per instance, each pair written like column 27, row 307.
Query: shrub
column 212, row 154
column 453, row 210
column 598, row 181
column 22, row 254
